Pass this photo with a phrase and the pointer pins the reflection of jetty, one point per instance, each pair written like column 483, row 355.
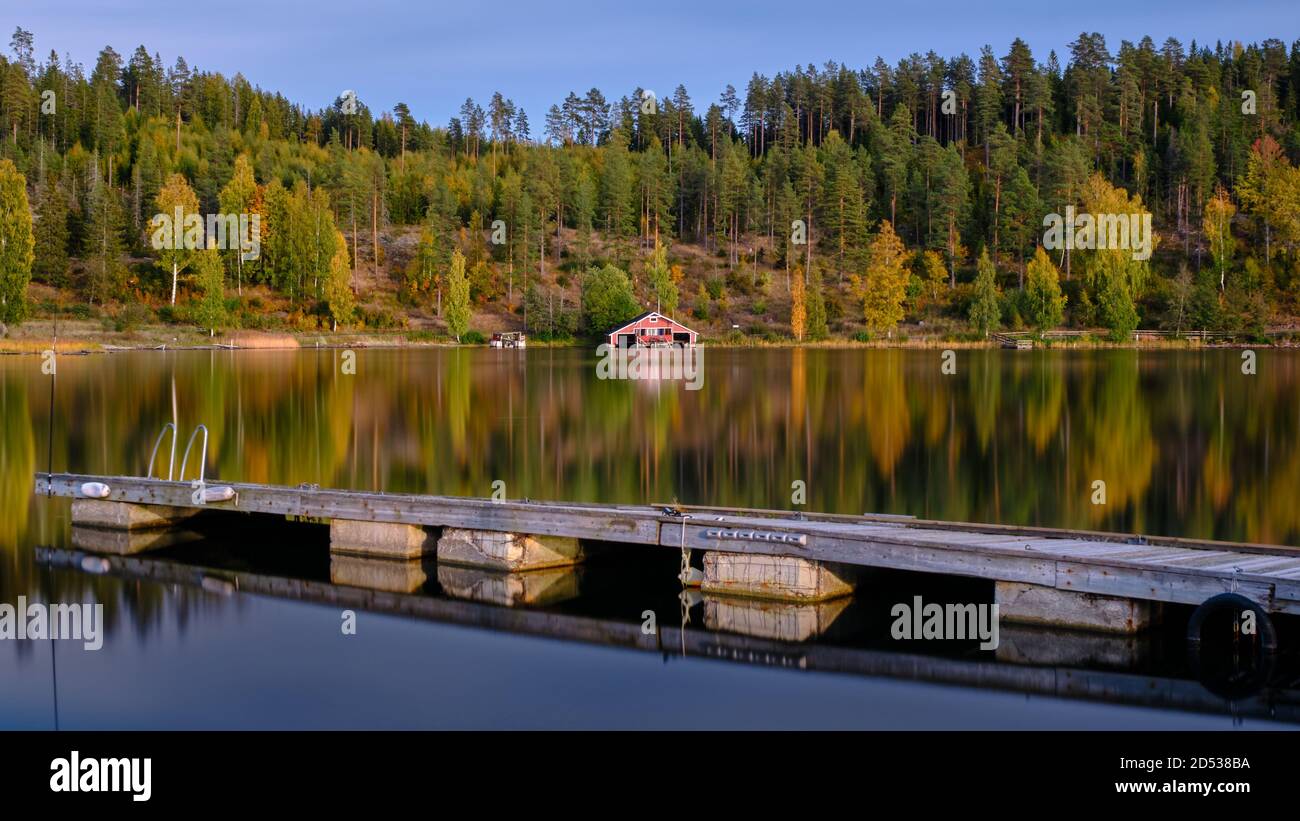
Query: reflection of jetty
column 1098, row 581
column 1032, row 660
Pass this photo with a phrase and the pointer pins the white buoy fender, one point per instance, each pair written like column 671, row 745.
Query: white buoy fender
column 218, row 586
column 218, row 494
column 96, row 565
column 94, row 490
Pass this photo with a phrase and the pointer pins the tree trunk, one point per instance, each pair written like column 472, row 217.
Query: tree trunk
column 374, row 230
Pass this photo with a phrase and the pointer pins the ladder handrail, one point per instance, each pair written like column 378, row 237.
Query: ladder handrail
column 204, row 459
column 171, row 465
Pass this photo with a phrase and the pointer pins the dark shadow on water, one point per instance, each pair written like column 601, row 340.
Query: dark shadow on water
column 607, row 601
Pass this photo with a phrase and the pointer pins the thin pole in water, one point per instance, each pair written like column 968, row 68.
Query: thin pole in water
column 49, row 491
column 54, row 377
column 54, row 666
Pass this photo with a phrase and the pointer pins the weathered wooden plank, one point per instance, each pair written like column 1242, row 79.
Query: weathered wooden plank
column 1139, row 555
column 1174, row 554
column 956, row 538
column 1193, row 558
column 1099, row 550
column 1245, row 563
column 1165, row 585
column 1285, row 590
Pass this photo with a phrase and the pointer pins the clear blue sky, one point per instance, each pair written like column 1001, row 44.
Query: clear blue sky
column 433, row 54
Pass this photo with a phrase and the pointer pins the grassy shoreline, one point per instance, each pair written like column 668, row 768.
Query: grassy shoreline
column 82, row 336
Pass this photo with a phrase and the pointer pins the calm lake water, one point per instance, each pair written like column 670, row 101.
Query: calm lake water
column 1186, row 444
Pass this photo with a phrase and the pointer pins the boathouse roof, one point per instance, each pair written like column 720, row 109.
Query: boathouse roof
column 634, row 320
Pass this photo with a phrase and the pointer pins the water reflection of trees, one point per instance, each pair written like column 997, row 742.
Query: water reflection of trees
column 1185, row 443
column 17, row 458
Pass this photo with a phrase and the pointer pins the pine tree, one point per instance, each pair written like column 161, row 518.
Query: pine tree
column 104, row 248
column 51, row 266
column 952, row 208
column 510, row 210
column 105, row 117
column 584, row 210
column 1017, row 66
column 808, row 180
column 1001, row 150
column 425, row 273
column 844, row 207
column 895, row 156
column 146, row 180
column 733, row 190
column 660, row 278
column 616, row 188
column 535, row 308
column 817, row 321
column 988, row 99
column 654, row 185
column 1021, row 214
column 1067, row 172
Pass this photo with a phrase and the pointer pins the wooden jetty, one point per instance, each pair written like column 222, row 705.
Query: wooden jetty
column 1031, row 660
column 1081, row 579
column 1025, row 339
column 1016, row 341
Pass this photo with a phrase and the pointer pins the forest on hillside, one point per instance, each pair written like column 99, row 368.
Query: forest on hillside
column 840, row 200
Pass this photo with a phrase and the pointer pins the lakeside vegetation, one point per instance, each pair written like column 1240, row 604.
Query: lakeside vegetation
column 921, row 190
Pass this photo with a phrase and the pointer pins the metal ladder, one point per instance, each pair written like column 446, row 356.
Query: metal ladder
column 202, row 493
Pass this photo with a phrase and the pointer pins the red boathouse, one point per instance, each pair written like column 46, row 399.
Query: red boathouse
column 652, row 329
